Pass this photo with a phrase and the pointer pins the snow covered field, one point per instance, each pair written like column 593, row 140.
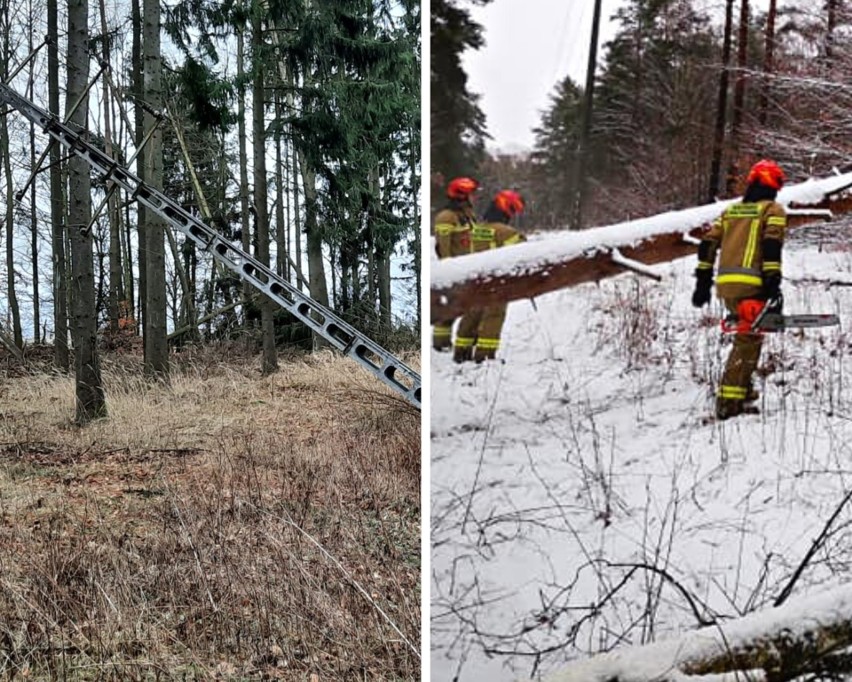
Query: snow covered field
column 579, row 502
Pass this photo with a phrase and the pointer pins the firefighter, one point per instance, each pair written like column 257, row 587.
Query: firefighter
column 478, row 336
column 749, row 236
column 453, row 225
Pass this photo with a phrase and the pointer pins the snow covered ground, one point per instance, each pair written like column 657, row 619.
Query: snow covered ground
column 580, row 503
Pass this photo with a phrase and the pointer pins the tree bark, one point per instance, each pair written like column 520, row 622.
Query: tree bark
column 269, row 362
column 722, row 104
column 139, row 134
column 768, row 61
column 156, row 344
column 245, row 225
column 57, row 203
column 89, row 389
column 33, row 215
column 113, row 209
column 316, row 265
column 6, row 154
column 282, row 264
column 739, row 98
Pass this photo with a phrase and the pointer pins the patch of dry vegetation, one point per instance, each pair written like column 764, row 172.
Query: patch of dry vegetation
column 228, row 526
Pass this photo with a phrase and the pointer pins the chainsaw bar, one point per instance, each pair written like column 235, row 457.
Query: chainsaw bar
column 776, row 322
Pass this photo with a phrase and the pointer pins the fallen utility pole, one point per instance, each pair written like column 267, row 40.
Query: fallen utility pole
column 569, row 258
column 340, row 334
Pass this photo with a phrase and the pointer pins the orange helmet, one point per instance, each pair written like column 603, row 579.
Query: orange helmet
column 461, row 188
column 767, row 173
column 509, row 202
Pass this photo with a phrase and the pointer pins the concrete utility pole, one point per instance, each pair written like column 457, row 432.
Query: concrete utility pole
column 581, row 165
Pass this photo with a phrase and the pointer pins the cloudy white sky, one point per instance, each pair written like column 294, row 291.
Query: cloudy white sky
column 530, row 46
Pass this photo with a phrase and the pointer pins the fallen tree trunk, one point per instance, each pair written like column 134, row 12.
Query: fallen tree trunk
column 808, row 636
column 570, row 258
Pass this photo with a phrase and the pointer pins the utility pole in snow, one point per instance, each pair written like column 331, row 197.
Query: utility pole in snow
column 580, row 164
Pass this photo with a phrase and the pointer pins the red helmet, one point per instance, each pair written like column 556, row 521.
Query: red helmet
column 461, row 188
column 767, row 173
column 509, row 202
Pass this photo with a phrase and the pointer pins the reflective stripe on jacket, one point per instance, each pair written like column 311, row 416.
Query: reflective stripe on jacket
column 452, row 232
column 487, row 236
column 739, row 235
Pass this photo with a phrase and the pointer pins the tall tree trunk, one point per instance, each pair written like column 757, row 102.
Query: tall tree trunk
column 113, row 207
column 829, row 33
column 297, row 218
column 269, row 362
column 282, row 250
column 127, row 250
column 6, row 154
column 739, row 98
column 156, row 344
column 89, row 389
column 418, row 285
column 57, row 204
column 721, row 105
column 768, row 62
column 33, row 216
column 245, row 225
column 316, row 266
column 9, row 224
column 139, row 134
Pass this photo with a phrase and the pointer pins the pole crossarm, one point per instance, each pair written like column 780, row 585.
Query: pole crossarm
column 320, row 319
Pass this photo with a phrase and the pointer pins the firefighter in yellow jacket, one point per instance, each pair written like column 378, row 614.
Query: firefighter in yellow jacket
column 453, row 226
column 478, row 335
column 749, row 237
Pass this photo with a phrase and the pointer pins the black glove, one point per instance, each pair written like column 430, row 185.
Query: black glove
column 771, row 286
column 703, row 284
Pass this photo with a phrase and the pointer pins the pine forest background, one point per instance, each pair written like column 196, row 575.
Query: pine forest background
column 291, row 126
column 686, row 96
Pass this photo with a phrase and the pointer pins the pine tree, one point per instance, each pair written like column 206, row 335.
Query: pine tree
column 456, row 121
column 89, row 389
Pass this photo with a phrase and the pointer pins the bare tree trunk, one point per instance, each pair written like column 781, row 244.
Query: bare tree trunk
column 245, row 225
column 722, row 104
column 829, row 33
column 113, row 209
column 316, row 266
column 33, row 216
column 768, row 61
column 156, row 344
column 139, row 121
column 89, row 389
column 418, row 285
column 739, row 98
column 57, row 204
column 270, row 356
column 297, row 218
column 282, row 250
column 127, row 250
column 6, row 154
column 383, row 265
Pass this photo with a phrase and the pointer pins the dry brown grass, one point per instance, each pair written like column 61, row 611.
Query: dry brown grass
column 229, row 526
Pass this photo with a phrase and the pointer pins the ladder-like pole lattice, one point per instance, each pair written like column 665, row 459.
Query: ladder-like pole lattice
column 320, row 319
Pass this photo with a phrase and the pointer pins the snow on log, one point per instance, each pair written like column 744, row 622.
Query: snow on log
column 568, row 258
column 811, row 634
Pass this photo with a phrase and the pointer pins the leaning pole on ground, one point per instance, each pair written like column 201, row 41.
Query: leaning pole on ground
column 568, row 258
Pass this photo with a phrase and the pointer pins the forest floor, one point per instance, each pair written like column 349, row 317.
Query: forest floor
column 581, row 501
column 228, row 526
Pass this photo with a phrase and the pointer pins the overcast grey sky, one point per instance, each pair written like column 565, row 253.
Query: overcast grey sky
column 533, row 44
column 530, row 46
